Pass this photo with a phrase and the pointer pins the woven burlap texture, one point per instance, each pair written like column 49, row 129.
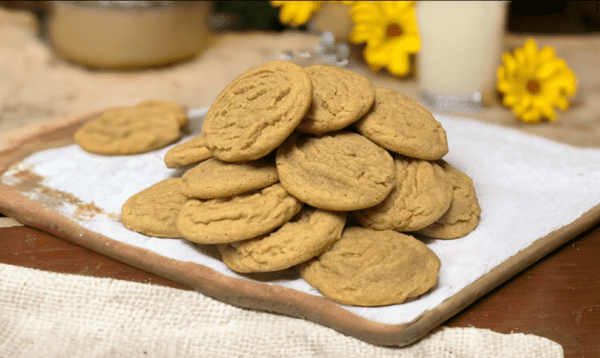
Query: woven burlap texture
column 46, row 314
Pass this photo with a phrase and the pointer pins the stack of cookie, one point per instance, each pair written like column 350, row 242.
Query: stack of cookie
column 315, row 167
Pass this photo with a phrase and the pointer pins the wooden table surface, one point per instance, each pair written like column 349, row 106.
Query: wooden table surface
column 558, row 297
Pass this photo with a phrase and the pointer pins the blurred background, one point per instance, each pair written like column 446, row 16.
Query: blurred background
column 546, row 17
column 188, row 51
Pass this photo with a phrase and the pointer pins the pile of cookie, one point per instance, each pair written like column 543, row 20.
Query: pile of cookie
column 314, row 167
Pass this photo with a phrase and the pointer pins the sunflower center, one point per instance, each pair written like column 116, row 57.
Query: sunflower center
column 533, row 86
column 394, row 30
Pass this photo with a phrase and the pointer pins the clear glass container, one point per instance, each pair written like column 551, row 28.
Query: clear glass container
column 462, row 43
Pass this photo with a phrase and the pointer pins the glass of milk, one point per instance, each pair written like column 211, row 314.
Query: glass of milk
column 461, row 50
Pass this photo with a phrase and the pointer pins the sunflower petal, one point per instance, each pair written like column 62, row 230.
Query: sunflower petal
column 546, row 110
column 363, row 11
column 364, row 33
column 546, row 54
column 510, row 100
column 296, row 12
column 523, row 104
column 520, row 58
column 561, row 103
column 546, row 69
column 407, row 44
column 564, row 81
column 398, row 63
column 376, row 56
column 509, row 63
column 531, row 116
column 530, row 50
column 504, row 86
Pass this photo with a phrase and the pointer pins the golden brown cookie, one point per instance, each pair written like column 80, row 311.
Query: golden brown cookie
column 236, row 218
column 340, row 97
column 373, row 268
column 306, row 235
column 186, row 153
column 153, row 211
column 166, row 109
column 398, row 123
column 421, row 195
column 339, row 171
column 217, row 179
column 257, row 111
column 463, row 215
column 131, row 130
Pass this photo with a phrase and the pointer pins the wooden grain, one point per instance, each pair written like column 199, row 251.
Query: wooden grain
column 29, row 247
column 556, row 298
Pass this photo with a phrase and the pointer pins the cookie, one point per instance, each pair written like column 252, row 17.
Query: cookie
column 153, row 211
column 255, row 113
column 236, row 218
column 340, row 97
column 309, row 233
column 189, row 152
column 463, row 215
column 421, row 195
column 165, row 109
column 339, row 171
column 398, row 123
column 373, row 268
column 131, row 130
column 217, row 179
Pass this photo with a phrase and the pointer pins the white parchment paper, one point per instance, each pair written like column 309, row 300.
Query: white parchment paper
column 527, row 187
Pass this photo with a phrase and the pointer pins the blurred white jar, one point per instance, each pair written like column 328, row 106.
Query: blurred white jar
column 461, row 49
column 129, row 34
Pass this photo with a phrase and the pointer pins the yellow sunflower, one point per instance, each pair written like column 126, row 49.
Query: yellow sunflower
column 390, row 31
column 534, row 82
column 296, row 13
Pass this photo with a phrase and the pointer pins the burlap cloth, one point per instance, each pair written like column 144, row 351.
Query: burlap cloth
column 47, row 314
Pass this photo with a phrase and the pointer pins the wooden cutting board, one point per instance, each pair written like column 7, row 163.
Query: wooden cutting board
column 253, row 294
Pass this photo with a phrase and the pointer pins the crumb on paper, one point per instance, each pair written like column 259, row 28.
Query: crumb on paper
column 25, row 180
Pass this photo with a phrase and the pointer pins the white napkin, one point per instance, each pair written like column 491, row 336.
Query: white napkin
column 527, row 187
column 51, row 315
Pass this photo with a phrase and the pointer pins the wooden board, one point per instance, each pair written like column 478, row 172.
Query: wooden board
column 250, row 293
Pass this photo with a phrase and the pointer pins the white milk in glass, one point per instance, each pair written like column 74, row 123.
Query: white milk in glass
column 462, row 44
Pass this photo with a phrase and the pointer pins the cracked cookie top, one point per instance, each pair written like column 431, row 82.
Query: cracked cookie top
column 148, row 126
column 306, row 235
column 188, row 152
column 214, row 178
column 338, row 171
column 236, row 218
column 421, row 195
column 257, row 111
column 398, row 123
column 153, row 211
column 462, row 216
column 340, row 97
column 373, row 268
